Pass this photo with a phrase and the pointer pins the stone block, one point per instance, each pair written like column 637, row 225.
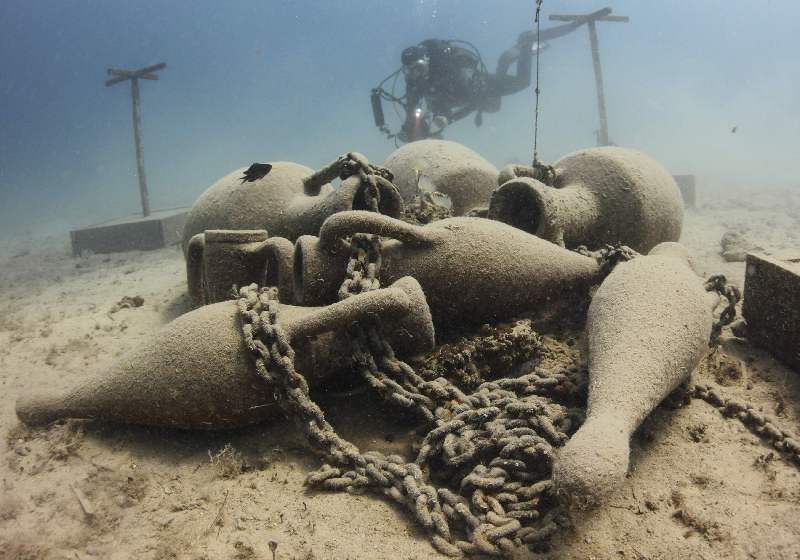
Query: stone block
column 686, row 186
column 160, row 229
column 772, row 305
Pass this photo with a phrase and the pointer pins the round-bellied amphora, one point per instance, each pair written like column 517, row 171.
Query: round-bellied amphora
column 598, row 196
column 446, row 167
column 198, row 372
column 648, row 327
column 288, row 201
column 472, row 270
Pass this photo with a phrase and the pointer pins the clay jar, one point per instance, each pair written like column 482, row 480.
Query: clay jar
column 198, row 373
column 471, row 269
column 448, row 167
column 648, row 327
column 289, row 201
column 218, row 260
column 599, row 196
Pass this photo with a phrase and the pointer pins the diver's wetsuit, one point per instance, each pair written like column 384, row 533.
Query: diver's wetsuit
column 457, row 83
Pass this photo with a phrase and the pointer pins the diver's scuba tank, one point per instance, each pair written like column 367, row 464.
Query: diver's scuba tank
column 377, row 108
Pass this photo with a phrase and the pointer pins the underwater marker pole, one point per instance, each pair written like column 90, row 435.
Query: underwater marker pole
column 537, row 90
column 589, row 20
column 134, row 75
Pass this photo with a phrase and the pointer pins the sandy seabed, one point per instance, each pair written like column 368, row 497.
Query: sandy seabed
column 700, row 486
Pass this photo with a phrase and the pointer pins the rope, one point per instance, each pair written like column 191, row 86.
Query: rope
column 537, row 90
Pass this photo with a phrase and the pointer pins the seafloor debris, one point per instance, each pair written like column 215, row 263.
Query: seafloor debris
column 127, row 302
column 735, row 245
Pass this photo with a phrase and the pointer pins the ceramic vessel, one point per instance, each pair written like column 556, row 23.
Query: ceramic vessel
column 472, row 270
column 443, row 166
column 648, row 327
column 218, row 260
column 198, row 373
column 598, row 196
column 289, row 201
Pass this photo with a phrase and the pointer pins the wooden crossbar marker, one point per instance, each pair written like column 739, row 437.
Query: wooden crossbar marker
column 134, row 76
column 591, row 20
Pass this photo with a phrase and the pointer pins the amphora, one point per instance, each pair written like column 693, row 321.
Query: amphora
column 446, row 167
column 648, row 327
column 198, row 373
column 472, row 270
column 218, row 260
column 290, row 200
column 594, row 197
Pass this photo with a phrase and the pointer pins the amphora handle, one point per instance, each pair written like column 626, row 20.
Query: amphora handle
column 194, row 268
column 344, row 224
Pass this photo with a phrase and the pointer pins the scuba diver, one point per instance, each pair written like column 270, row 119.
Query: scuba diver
column 450, row 80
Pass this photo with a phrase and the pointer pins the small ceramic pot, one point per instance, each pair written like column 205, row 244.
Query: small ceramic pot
column 218, row 260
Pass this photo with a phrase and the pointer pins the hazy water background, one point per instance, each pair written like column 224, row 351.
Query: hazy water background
column 290, row 80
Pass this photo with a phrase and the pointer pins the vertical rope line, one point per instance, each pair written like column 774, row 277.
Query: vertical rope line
column 536, row 111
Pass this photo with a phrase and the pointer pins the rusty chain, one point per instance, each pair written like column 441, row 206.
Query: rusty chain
column 495, row 445
column 760, row 424
column 480, row 483
column 608, row 256
column 718, row 283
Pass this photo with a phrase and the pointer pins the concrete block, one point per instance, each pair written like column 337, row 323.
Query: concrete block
column 772, row 305
column 160, row 229
column 686, row 186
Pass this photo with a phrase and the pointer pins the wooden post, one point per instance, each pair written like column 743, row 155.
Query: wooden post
column 590, row 20
column 602, row 137
column 137, row 138
column 134, row 76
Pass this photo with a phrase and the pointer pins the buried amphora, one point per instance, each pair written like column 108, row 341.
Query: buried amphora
column 592, row 197
column 289, row 200
column 471, row 269
column 199, row 373
column 218, row 260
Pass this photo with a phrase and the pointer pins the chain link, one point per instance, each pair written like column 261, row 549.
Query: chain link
column 490, row 451
column 608, row 256
column 760, row 424
column 494, row 445
column 718, row 283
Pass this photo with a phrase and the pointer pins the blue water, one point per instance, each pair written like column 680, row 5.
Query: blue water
column 289, row 80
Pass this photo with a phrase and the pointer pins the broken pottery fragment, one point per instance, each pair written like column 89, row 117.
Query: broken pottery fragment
column 648, row 327
column 289, row 201
column 198, row 373
column 472, row 270
column 598, row 196
column 446, row 167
